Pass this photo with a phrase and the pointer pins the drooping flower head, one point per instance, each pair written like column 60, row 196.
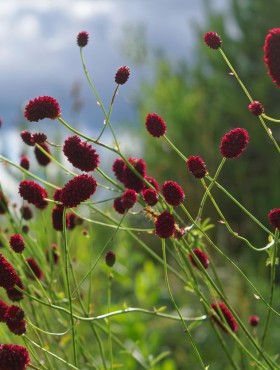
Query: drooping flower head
column 225, row 315
column 33, row 193
column 272, row 54
column 78, row 190
column 234, row 143
column 197, row 167
column 35, row 269
column 8, row 275
column 13, row 357
column 122, row 75
column 80, row 154
column 256, row 108
column 212, row 40
column 155, row 125
column 42, row 107
column 118, row 206
column 173, row 193
column 82, row 39
column 41, row 157
column 201, row 256
column 57, row 218
column 274, row 218
column 165, row 225
column 17, row 243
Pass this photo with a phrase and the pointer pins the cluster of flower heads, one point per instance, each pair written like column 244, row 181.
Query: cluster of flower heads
column 13, row 357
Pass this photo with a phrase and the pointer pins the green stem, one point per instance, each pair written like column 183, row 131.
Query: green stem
column 66, row 261
column 177, row 308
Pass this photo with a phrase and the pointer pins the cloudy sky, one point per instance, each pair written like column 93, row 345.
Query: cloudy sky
column 39, row 55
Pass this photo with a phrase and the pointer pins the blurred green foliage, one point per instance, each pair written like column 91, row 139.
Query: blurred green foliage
column 202, row 102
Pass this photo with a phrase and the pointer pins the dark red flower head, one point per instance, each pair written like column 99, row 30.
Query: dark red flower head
column 225, row 316
column 122, row 75
column 155, row 125
column 118, row 167
column 78, row 190
column 17, row 243
column 3, row 309
column 150, row 196
column 26, row 212
column 27, row 138
column 256, row 108
column 130, row 179
column 234, row 143
column 35, row 269
column 13, row 294
column 202, row 257
column 80, row 154
column 8, row 276
column 42, row 107
column 213, row 40
column 39, row 137
column 33, row 193
column 118, row 206
column 272, row 54
column 274, row 218
column 13, row 357
column 82, row 38
column 129, row 198
column 17, row 328
column 14, row 314
column 57, row 218
column 24, row 163
column 197, row 167
column 110, row 258
column 173, row 193
column 165, row 225
column 41, row 157
column 153, row 182
column 254, row 320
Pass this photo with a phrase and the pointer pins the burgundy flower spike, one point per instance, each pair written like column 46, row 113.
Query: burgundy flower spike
column 13, row 357
column 201, row 256
column 155, row 125
column 272, row 54
column 234, row 143
column 165, row 225
column 80, row 154
column 122, row 75
column 33, row 193
column 173, row 193
column 82, row 39
column 42, row 107
column 77, row 190
column 197, row 167
column 256, row 108
column 225, row 315
column 274, row 218
column 212, row 40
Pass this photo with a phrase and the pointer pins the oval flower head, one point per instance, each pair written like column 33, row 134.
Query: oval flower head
column 77, row 190
column 13, row 357
column 234, row 143
column 42, row 107
column 272, row 54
